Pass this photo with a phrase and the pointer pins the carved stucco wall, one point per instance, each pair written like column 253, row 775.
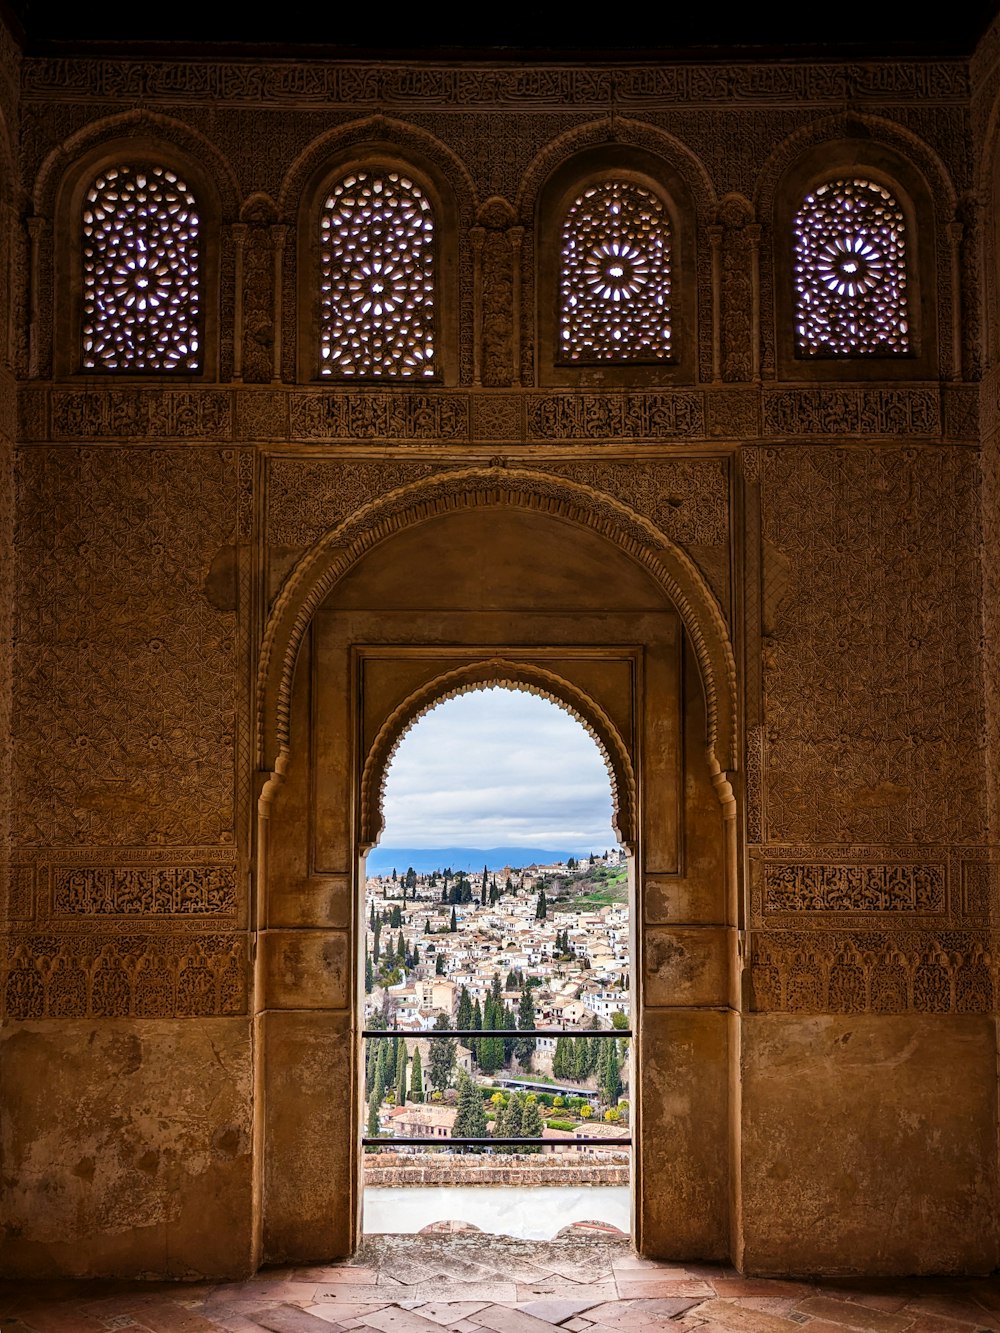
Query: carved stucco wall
column 125, row 735
column 838, row 525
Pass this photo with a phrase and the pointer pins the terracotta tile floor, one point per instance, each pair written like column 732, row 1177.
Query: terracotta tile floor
column 473, row 1283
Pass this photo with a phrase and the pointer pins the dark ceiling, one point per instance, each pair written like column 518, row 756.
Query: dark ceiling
column 702, row 32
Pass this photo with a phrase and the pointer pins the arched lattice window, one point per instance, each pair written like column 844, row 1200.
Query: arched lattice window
column 141, row 264
column 850, row 271
column 377, row 278
column 614, row 282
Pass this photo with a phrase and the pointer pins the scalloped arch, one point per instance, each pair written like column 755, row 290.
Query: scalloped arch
column 503, row 673
column 614, row 132
column 321, row 568
column 881, row 133
column 376, row 134
column 188, row 141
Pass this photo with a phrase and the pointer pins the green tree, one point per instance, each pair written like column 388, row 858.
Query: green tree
column 531, row 1119
column 439, row 965
column 477, row 1017
column 369, row 973
column 454, row 921
column 416, row 1078
column 562, row 1059
column 401, row 1063
column 524, row 1047
column 470, row 1119
column 375, row 946
column 442, row 1056
column 619, row 1021
column 541, row 910
column 395, row 917
column 373, row 1128
column 401, row 949
column 464, row 1020
column 427, row 925
column 608, row 1073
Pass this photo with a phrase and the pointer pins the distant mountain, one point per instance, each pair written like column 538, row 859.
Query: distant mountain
column 383, row 860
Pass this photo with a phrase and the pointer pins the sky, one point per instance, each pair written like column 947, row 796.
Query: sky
column 496, row 768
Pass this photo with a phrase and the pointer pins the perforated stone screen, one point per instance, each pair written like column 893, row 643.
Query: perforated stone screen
column 614, row 284
column 141, row 259
column 377, row 279
column 850, row 272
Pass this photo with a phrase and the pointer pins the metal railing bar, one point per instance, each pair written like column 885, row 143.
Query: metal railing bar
column 428, row 1142
column 493, row 1032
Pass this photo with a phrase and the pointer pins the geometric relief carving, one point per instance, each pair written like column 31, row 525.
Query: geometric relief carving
column 871, row 685
column 154, row 890
column 980, row 888
column 871, row 972
column 112, row 976
column 127, row 670
column 852, row 411
column 612, row 417
column 790, row 887
column 687, row 500
column 306, row 498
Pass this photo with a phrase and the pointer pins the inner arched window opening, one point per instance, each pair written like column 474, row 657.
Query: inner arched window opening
column 377, row 278
column 615, row 276
column 497, row 912
column 141, row 272
column 851, row 271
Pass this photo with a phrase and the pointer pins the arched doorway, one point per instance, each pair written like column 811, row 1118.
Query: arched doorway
column 498, row 901
column 508, row 577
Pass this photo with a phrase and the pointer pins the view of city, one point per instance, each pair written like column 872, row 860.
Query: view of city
column 538, row 947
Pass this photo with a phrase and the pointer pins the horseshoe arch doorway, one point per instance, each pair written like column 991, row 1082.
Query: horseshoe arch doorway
column 483, row 584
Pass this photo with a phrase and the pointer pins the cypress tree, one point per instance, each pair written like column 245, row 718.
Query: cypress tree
column 454, row 921
column 439, row 965
column 401, row 1061
column 369, row 973
column 442, row 1057
column 375, row 946
column 416, row 1078
column 470, row 1120
column 464, row 1020
column 524, row 1047
column 427, row 926
column 541, row 911
column 373, row 1106
column 401, row 948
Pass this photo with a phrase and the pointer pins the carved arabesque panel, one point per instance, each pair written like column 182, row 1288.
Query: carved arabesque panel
column 126, row 671
column 872, row 688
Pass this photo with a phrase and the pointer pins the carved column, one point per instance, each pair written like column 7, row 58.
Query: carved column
column 477, row 235
column 36, row 230
column 239, row 234
column 279, row 235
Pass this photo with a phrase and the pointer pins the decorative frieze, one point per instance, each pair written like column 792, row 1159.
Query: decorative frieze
column 183, row 890
column 136, row 414
column 325, row 84
column 812, row 887
column 316, row 415
column 852, row 411
column 122, row 976
column 614, row 417
column 299, row 413
column 871, row 972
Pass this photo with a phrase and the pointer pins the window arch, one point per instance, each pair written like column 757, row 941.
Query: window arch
column 134, row 260
column 856, row 265
column 615, row 276
column 141, row 270
column 377, row 278
column 850, row 271
column 615, row 270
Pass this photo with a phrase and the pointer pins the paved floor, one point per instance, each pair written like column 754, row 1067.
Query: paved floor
column 472, row 1283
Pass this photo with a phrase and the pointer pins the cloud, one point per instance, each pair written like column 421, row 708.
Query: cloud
column 498, row 768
